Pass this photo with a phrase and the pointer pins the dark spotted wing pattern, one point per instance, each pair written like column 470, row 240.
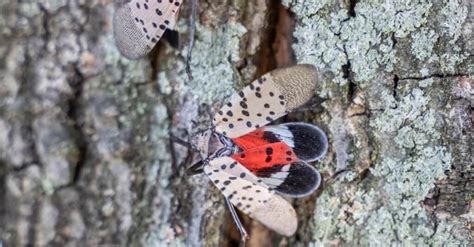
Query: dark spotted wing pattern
column 266, row 99
column 139, row 24
column 251, row 196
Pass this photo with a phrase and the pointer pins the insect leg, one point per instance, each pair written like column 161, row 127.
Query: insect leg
column 181, row 142
column 194, row 169
column 243, row 234
column 192, row 30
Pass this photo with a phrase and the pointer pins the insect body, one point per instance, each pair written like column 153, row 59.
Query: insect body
column 139, row 24
column 253, row 164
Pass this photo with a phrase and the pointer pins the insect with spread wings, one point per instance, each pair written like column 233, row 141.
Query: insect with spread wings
column 254, row 165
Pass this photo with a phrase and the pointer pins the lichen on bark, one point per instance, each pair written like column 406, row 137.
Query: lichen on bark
column 85, row 156
column 404, row 61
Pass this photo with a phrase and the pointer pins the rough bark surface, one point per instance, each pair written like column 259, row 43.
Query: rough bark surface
column 85, row 155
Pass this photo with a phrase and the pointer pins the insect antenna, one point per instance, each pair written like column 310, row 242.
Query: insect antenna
column 243, row 234
column 192, row 30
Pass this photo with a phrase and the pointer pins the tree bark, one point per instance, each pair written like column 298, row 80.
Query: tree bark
column 85, row 154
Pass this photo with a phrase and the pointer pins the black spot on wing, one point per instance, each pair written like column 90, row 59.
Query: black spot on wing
column 270, row 137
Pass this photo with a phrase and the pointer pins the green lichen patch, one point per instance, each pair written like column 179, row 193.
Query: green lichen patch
column 423, row 42
column 164, row 236
column 389, row 210
column 213, row 56
column 329, row 38
column 406, row 117
column 454, row 14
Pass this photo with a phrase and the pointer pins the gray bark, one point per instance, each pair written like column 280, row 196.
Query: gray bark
column 85, row 155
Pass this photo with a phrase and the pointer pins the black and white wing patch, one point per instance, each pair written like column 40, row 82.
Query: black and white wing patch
column 308, row 142
column 296, row 179
column 251, row 196
column 266, row 99
column 139, row 24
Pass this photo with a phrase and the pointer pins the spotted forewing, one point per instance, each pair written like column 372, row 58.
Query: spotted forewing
column 139, row 24
column 248, row 193
column 266, row 99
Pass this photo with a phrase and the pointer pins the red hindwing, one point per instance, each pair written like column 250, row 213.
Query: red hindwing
column 259, row 153
column 251, row 140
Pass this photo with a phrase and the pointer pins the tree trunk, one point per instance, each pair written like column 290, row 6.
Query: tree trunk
column 85, row 155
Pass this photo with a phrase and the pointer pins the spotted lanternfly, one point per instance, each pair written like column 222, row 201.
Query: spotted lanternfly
column 139, row 24
column 253, row 165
